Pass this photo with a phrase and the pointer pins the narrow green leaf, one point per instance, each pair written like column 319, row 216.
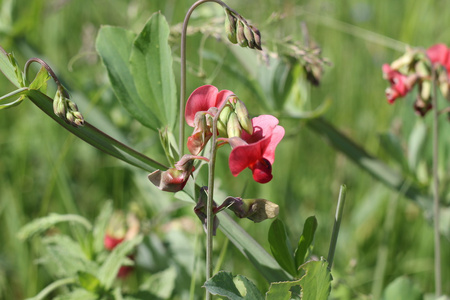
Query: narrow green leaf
column 234, row 288
column 45, row 223
column 97, row 138
column 316, row 283
column 252, row 250
column 161, row 284
column 53, row 286
column 392, row 146
column 114, row 45
column 77, row 294
column 367, row 162
column 402, row 288
column 305, row 241
column 101, row 222
column 9, row 69
column 151, row 65
column 281, row 290
column 281, row 247
column 88, row 281
column 108, row 271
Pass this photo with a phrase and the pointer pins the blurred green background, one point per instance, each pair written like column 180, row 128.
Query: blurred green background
column 44, row 169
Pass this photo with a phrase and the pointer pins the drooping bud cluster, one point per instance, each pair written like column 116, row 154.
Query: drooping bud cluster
column 416, row 67
column 256, row 210
column 240, row 32
column 66, row 109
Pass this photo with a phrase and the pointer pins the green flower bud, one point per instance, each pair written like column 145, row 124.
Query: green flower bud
column 59, row 107
column 257, row 37
column 240, row 35
column 223, row 120
column 233, row 127
column 248, row 33
column 230, row 26
column 425, row 90
column 256, row 210
column 243, row 118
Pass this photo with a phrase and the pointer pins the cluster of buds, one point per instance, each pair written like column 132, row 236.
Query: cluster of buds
column 119, row 229
column 416, row 67
column 233, row 119
column 240, row 32
column 66, row 109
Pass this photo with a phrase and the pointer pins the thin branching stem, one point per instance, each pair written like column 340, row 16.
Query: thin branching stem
column 183, row 64
column 49, row 70
column 437, row 238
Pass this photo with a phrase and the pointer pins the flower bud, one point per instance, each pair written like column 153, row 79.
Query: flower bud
column 425, row 90
column 174, row 179
column 240, row 35
column 230, row 26
column 243, row 118
column 59, row 107
column 201, row 135
column 257, row 37
column 249, row 37
column 223, row 120
column 233, row 127
column 256, row 210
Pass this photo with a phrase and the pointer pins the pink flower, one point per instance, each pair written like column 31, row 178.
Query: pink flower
column 400, row 83
column 439, row 53
column 174, row 179
column 110, row 242
column 202, row 99
column 256, row 151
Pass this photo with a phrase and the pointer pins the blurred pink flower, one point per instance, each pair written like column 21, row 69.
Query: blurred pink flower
column 439, row 53
column 256, row 151
column 400, row 83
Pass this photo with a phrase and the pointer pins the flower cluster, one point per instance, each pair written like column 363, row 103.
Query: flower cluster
column 253, row 142
column 416, row 67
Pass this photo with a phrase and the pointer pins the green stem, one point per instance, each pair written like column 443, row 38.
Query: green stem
column 437, row 238
column 183, row 64
column 337, row 224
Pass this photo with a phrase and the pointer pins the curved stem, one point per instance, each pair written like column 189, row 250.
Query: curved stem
column 49, row 70
column 183, row 64
column 437, row 241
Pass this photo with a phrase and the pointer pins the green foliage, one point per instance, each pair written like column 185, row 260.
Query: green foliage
column 305, row 240
column 140, row 70
column 402, row 288
column 281, row 247
column 233, row 287
column 316, row 283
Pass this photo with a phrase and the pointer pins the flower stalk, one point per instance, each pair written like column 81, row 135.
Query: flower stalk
column 437, row 238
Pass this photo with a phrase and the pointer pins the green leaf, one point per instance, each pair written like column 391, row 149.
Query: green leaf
column 65, row 257
column 305, row 241
column 8, row 66
column 88, row 281
column 151, row 65
column 316, row 283
column 392, row 146
column 97, row 138
column 234, row 288
column 101, row 222
column 161, row 284
column 40, row 81
column 45, row 223
column 114, row 45
column 108, row 271
column 281, row 290
column 281, row 247
column 402, row 288
column 78, row 294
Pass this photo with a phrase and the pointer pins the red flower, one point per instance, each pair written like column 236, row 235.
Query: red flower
column 110, row 242
column 439, row 53
column 400, row 83
column 256, row 151
column 174, row 179
column 202, row 99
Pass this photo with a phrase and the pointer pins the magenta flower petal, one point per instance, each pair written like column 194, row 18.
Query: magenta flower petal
column 439, row 53
column 202, row 99
column 259, row 153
